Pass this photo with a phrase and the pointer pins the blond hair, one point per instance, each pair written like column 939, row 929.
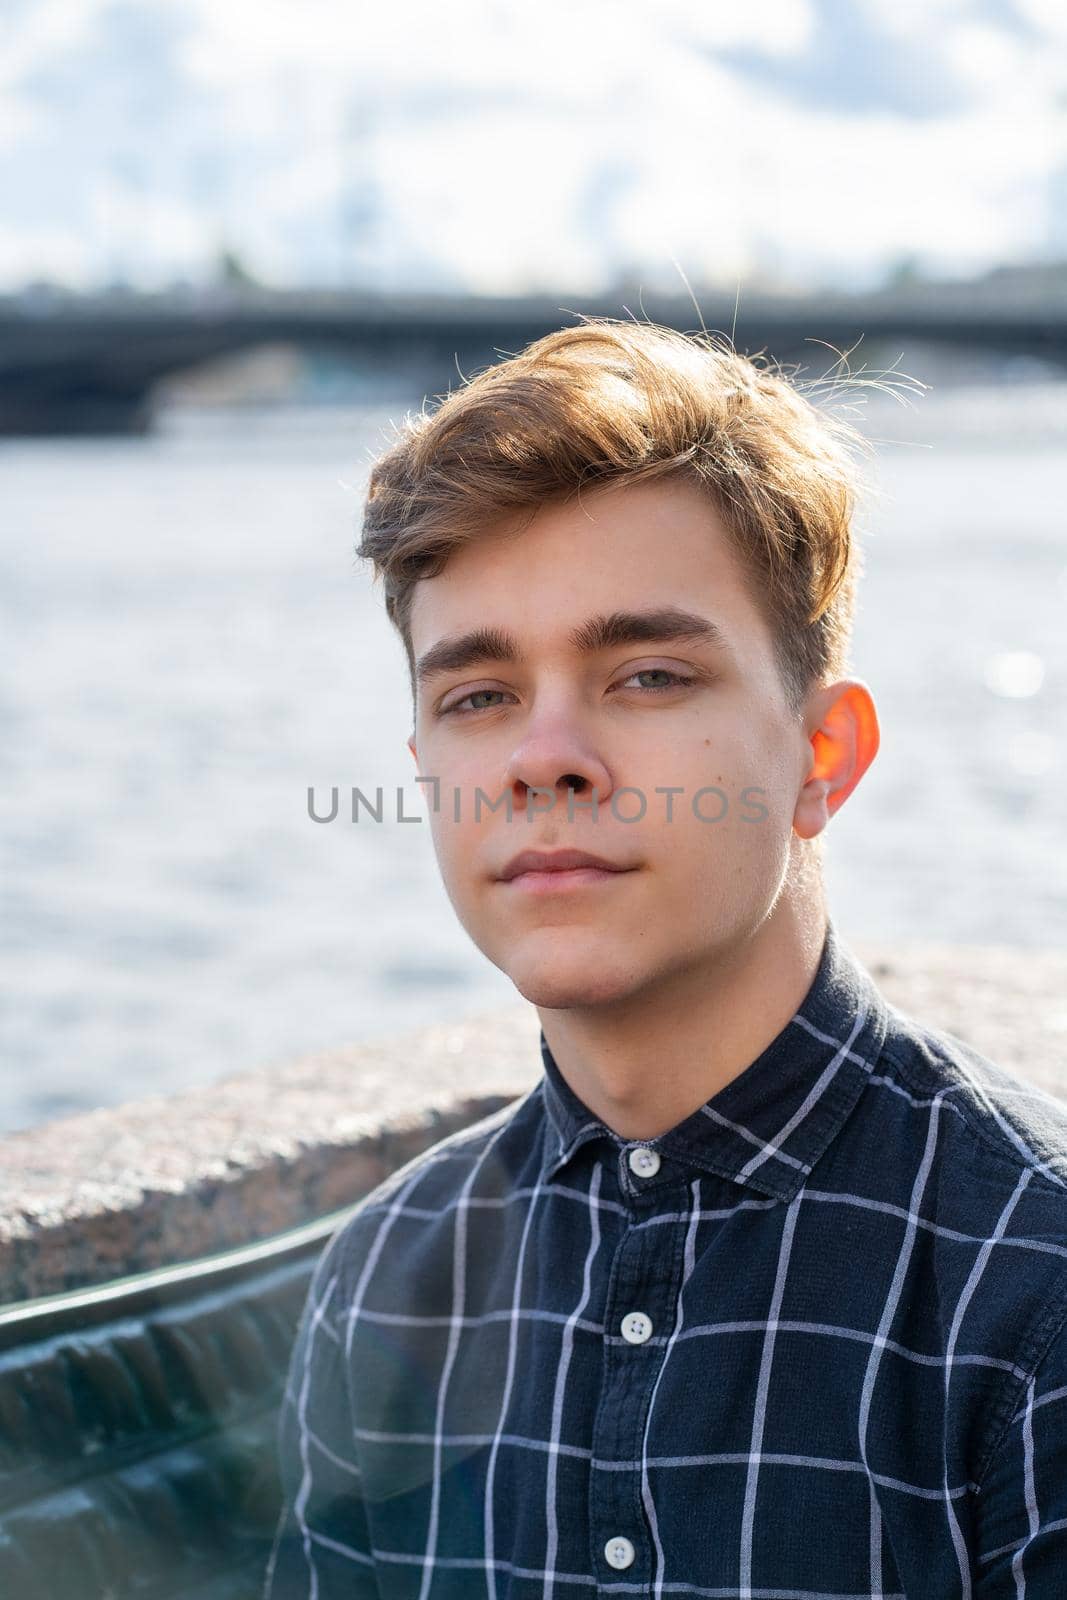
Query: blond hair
column 608, row 401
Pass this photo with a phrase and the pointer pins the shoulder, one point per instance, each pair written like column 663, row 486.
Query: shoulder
column 987, row 1156
column 402, row 1222
column 984, row 1108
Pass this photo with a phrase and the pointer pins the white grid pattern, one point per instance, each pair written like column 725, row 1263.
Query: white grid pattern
column 854, row 1386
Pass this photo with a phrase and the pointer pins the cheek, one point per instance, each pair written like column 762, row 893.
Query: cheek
column 715, row 754
column 735, row 811
column 459, row 841
column 452, row 838
column 756, row 759
column 464, row 766
column 454, row 861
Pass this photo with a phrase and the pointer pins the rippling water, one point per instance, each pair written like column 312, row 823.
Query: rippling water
column 188, row 644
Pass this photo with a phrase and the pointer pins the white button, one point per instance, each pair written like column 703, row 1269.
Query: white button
column 619, row 1552
column 636, row 1327
column 643, row 1161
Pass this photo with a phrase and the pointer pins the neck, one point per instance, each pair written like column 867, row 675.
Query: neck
column 644, row 1064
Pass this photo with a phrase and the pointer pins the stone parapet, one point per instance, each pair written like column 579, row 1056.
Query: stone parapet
column 122, row 1190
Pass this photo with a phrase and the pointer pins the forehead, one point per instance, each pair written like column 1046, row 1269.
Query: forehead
column 620, row 547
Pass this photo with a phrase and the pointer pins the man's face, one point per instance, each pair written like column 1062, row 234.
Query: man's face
column 697, row 883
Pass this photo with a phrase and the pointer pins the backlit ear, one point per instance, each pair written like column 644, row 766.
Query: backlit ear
column 843, row 745
column 411, row 747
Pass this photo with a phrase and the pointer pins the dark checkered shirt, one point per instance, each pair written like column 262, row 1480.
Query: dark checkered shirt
column 810, row 1344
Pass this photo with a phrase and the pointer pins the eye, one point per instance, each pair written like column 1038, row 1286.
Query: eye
column 474, row 694
column 677, row 679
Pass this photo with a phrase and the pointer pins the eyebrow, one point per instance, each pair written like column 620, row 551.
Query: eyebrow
column 605, row 631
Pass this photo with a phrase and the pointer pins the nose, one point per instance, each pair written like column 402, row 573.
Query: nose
column 555, row 756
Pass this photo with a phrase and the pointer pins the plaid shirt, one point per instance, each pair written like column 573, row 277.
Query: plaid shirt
column 810, row 1343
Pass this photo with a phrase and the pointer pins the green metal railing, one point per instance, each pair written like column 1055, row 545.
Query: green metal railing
column 137, row 1427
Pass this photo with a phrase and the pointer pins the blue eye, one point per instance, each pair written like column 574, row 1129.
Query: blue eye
column 678, row 679
column 447, row 711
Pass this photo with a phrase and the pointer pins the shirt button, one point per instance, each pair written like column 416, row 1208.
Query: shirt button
column 619, row 1552
column 643, row 1161
column 636, row 1327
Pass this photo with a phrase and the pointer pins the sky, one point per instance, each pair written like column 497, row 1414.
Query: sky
column 512, row 147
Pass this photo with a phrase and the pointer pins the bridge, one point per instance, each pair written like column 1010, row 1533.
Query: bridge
column 90, row 365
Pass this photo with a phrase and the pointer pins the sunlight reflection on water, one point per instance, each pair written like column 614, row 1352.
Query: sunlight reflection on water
column 190, row 645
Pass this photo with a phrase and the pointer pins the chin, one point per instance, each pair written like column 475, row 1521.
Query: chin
column 558, row 982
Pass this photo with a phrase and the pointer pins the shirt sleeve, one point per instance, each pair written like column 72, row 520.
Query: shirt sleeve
column 1022, row 1503
column 322, row 1547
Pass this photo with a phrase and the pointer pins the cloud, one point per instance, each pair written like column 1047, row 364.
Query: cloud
column 505, row 147
column 864, row 61
column 35, row 29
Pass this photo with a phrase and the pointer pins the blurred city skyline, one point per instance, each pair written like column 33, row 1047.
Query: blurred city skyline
column 488, row 148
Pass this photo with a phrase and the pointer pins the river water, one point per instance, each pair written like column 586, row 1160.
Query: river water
column 189, row 644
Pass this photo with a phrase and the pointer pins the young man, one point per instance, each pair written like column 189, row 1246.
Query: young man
column 762, row 1291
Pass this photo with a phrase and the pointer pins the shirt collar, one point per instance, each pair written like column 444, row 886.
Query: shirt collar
column 770, row 1124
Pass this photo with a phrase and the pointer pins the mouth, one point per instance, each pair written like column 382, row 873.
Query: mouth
column 559, row 871
column 561, row 880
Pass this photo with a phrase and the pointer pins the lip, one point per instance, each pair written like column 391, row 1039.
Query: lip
column 559, row 869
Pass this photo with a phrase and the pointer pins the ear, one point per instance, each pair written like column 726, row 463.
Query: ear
column 411, row 747
column 843, row 742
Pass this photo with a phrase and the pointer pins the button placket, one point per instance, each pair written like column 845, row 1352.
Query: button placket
column 644, row 1281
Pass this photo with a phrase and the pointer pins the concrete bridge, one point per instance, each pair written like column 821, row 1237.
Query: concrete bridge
column 90, row 365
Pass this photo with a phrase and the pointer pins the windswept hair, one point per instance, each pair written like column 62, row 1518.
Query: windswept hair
column 608, row 401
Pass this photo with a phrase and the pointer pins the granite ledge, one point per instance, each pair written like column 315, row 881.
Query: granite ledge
column 120, row 1190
